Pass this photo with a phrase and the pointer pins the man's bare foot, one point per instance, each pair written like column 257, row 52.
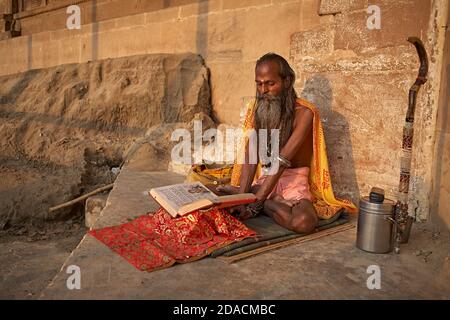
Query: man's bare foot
column 290, row 203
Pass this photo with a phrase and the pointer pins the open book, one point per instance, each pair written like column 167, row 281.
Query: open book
column 184, row 198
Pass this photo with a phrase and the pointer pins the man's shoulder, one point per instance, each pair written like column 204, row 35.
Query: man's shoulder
column 305, row 107
column 305, row 104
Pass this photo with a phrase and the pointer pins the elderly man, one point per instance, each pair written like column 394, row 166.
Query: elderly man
column 285, row 195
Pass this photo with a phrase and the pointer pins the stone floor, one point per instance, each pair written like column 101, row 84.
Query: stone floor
column 326, row 268
column 27, row 266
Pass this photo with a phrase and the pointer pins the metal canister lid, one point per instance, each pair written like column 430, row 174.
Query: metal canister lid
column 385, row 207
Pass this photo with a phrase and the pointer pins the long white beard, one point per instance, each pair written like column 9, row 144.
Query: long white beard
column 268, row 113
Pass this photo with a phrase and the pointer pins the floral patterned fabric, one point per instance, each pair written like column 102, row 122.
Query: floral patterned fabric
column 157, row 241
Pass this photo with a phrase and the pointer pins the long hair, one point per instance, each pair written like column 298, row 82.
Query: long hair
column 284, row 119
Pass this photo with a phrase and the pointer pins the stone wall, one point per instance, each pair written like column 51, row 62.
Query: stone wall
column 7, row 8
column 36, row 16
column 228, row 34
column 65, row 128
column 358, row 77
column 440, row 204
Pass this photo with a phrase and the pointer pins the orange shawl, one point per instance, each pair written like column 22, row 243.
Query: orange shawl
column 326, row 204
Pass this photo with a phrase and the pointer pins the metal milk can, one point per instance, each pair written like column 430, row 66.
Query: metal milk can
column 376, row 225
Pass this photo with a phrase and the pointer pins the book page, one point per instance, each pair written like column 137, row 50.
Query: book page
column 180, row 194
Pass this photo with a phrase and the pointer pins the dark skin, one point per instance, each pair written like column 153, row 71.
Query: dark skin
column 298, row 216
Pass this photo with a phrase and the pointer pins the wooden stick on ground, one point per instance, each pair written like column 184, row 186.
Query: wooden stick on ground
column 71, row 202
column 309, row 237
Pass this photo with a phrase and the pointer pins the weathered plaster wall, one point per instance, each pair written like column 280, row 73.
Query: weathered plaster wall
column 360, row 80
column 440, row 202
column 39, row 17
column 358, row 77
column 230, row 34
column 4, row 8
column 64, row 128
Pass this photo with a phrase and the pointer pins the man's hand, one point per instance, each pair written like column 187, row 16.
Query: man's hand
column 228, row 189
column 241, row 212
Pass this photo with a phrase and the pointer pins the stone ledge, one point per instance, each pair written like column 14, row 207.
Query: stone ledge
column 332, row 7
column 5, row 16
column 47, row 8
column 106, row 275
column 93, row 208
column 8, row 35
column 200, row 8
column 312, row 42
column 238, row 4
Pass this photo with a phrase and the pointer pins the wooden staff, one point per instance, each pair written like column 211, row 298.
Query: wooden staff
column 402, row 218
column 69, row 203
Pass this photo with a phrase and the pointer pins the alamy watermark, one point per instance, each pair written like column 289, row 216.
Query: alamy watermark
column 374, row 20
column 374, row 280
column 227, row 147
column 74, row 20
column 74, row 280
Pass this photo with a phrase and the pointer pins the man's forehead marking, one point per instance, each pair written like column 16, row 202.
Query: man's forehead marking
column 265, row 77
column 264, row 81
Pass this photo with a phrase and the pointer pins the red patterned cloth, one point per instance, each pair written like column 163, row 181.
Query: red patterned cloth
column 157, row 241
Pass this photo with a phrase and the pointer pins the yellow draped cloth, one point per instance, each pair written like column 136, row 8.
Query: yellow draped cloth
column 325, row 203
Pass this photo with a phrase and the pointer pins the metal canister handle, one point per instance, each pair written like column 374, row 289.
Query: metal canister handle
column 391, row 220
column 396, row 233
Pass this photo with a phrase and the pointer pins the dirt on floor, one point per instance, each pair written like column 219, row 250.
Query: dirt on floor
column 34, row 242
column 29, row 259
column 66, row 131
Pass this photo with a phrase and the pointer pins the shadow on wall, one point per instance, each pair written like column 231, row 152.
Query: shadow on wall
column 317, row 90
column 437, row 207
column 166, row 3
column 94, row 18
column 94, row 40
column 202, row 28
column 30, row 52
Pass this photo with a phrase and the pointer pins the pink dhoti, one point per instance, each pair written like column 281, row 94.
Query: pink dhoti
column 292, row 185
